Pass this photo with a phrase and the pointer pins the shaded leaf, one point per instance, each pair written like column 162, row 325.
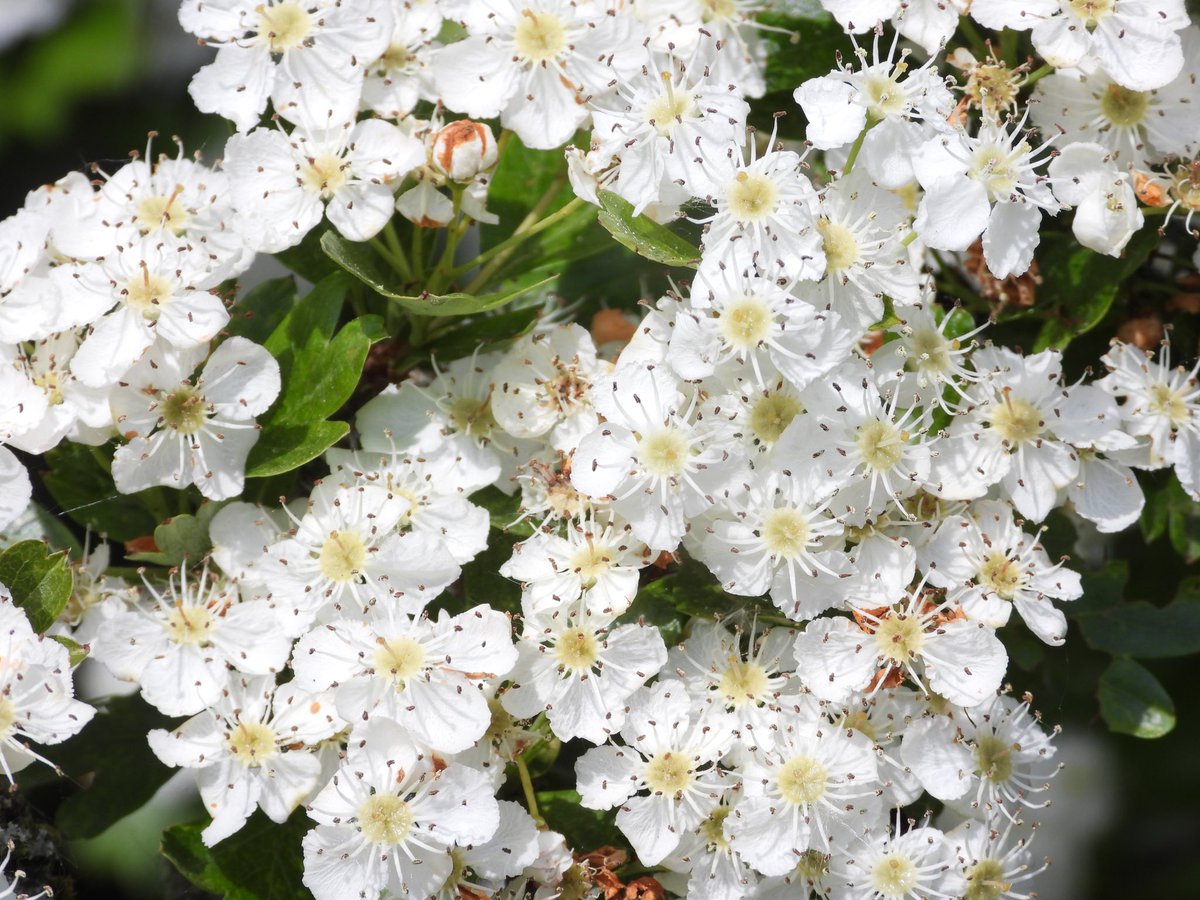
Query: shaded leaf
column 86, row 493
column 1138, row 629
column 585, row 829
column 125, row 771
column 286, row 447
column 307, row 259
column 181, row 537
column 643, row 235
column 40, row 581
column 262, row 861
column 1133, row 702
column 258, row 312
column 361, row 261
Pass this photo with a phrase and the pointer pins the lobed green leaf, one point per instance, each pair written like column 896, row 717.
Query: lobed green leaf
column 39, row 581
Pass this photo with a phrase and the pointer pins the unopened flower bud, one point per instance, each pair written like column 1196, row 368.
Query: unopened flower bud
column 463, row 149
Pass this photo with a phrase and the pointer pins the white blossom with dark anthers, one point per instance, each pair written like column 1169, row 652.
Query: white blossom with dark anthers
column 1136, row 42
column 336, row 169
column 390, row 817
column 892, row 864
column 715, row 871
column 192, row 430
column 10, row 881
column 180, row 642
column 591, row 572
column 925, row 362
column 918, row 636
column 1137, row 128
column 671, row 750
column 667, row 126
column 807, row 787
column 989, row 566
column 1020, row 433
column 483, row 868
column 749, row 322
column 452, row 415
column 863, row 230
column 723, row 36
column 535, row 63
column 871, row 444
column 1105, row 202
column 991, row 862
column 903, row 108
column 984, row 184
column 657, row 459
column 427, row 674
column 780, row 537
column 985, row 761
column 255, row 747
column 744, row 671
column 543, row 386
column 37, row 698
column 928, row 23
column 1160, row 406
column 765, row 216
column 344, row 556
column 306, row 56
column 582, row 675
column 401, row 76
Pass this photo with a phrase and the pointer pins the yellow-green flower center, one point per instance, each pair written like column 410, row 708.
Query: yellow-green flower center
column 885, row 97
column 385, row 819
column 893, row 876
column 994, row 759
column 1169, row 404
column 147, row 295
column 591, row 561
column 1092, row 11
column 156, row 211
column 899, row 638
column 664, row 452
column 841, row 246
column 401, row 657
column 325, row 174
column 577, row 649
column 539, row 37
column 252, row 743
column 1016, row 421
column 668, row 773
column 802, row 780
column 785, row 532
column 752, row 197
column 744, row 682
column 1002, row 575
column 285, row 25
column 190, row 625
column 746, row 322
column 772, row 414
column 880, row 445
column 1123, row 107
column 342, row 556
column 184, row 410
column 472, row 416
column 8, row 717
column 985, row 881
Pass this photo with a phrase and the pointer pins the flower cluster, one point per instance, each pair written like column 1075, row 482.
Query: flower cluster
column 802, row 420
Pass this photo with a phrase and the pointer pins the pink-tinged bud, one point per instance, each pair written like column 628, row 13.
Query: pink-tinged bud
column 463, row 149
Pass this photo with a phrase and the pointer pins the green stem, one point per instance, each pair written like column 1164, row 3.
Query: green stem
column 443, row 272
column 418, row 252
column 530, row 793
column 398, row 263
column 499, row 254
column 855, row 148
column 1038, row 74
column 978, row 44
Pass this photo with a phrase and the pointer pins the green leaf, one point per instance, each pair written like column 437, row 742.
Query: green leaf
column 585, row 829
column 258, row 312
column 307, row 259
column 1133, row 702
column 181, row 538
column 125, row 771
column 285, row 447
column 39, row 581
column 1082, row 285
column 361, row 261
column 504, row 510
column 463, row 340
column 262, row 861
column 643, row 235
column 76, row 652
column 803, row 47
column 86, row 493
column 1138, row 629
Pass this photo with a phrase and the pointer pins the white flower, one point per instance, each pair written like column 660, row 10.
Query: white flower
column 282, row 184
column 37, row 699
column 581, row 675
column 307, row 56
column 988, row 566
column 671, row 749
column 401, row 77
column 989, row 859
column 813, row 786
column 544, row 386
column 533, row 63
column 198, row 432
column 254, row 747
column 658, row 461
column 425, row 674
column 179, row 645
column 1106, row 207
column 890, row 865
column 390, row 817
column 984, row 184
